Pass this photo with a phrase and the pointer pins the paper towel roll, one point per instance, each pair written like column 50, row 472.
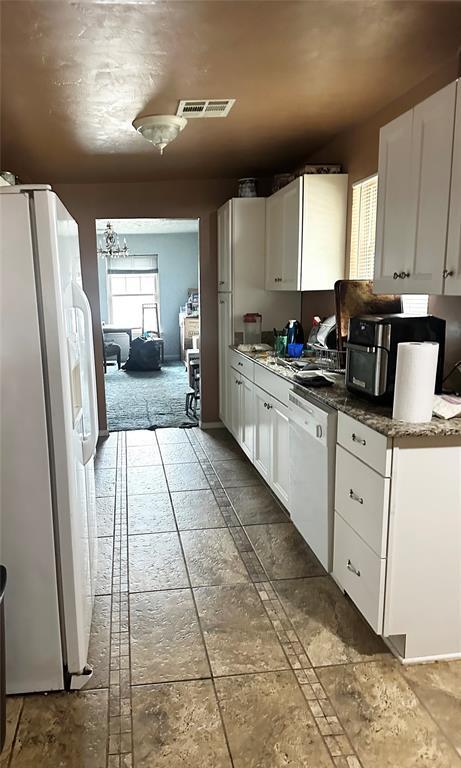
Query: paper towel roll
column 415, row 381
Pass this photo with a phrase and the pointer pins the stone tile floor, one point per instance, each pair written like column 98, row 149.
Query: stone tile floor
column 219, row 641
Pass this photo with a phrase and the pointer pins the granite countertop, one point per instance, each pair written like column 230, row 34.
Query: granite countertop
column 377, row 417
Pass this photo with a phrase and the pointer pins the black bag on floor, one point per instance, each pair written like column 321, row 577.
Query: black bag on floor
column 144, row 355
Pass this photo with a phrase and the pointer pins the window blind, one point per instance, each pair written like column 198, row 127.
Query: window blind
column 363, row 229
column 134, row 263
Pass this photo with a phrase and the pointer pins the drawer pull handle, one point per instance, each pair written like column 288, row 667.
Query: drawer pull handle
column 358, row 439
column 221, row 282
column 352, row 568
column 355, row 496
column 447, row 273
column 239, row 363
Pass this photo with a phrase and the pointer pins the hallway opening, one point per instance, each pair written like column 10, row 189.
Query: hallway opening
column 150, row 314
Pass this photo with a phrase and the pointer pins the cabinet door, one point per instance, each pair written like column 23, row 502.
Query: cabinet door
column 263, row 433
column 224, row 339
column 279, row 475
column 431, row 157
column 247, row 417
column 225, row 247
column 392, row 225
column 234, row 404
column 292, row 199
column 274, row 242
column 453, row 262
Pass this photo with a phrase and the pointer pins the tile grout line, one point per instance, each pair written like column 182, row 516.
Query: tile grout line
column 9, row 761
column 202, row 636
column 324, row 714
column 120, row 724
column 114, row 523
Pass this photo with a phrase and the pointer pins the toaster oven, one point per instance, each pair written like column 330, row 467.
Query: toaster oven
column 372, row 350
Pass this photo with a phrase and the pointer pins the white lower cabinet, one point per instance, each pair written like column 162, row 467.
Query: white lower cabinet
column 271, row 442
column 397, row 540
column 360, row 572
column 279, row 476
column 259, row 420
column 247, row 417
column 263, row 429
column 242, row 411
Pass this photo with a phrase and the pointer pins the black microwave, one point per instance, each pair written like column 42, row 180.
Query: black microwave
column 372, row 350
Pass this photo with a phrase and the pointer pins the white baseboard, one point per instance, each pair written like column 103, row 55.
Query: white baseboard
column 211, row 425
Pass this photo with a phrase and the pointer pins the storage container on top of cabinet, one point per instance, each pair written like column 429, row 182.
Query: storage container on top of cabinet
column 419, row 199
column 306, row 233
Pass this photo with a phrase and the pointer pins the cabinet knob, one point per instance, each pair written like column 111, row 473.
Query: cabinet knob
column 447, row 273
column 357, row 439
column 351, row 567
column 403, row 275
column 221, row 301
column 355, row 496
column 396, row 275
column 239, row 363
column 221, row 282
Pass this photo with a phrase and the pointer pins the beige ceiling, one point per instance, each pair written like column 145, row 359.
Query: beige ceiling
column 74, row 75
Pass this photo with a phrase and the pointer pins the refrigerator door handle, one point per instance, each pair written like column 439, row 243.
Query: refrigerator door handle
column 81, row 302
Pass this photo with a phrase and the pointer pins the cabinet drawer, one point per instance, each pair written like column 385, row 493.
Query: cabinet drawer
column 365, row 443
column 273, row 384
column 360, row 573
column 362, row 499
column 242, row 364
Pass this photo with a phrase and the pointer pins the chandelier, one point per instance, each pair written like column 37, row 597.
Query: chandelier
column 112, row 248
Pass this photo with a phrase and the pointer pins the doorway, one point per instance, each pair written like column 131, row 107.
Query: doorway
column 150, row 314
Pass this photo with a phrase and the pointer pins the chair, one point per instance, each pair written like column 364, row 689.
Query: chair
column 111, row 349
column 151, row 325
column 193, row 397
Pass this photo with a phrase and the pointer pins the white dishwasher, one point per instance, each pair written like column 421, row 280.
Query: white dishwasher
column 312, row 447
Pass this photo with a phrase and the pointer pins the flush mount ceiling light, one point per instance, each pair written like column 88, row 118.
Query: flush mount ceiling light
column 160, row 130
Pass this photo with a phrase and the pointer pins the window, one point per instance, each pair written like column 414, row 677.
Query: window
column 363, row 230
column 363, row 226
column 132, row 282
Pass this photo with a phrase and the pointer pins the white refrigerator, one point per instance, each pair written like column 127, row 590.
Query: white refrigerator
column 49, row 430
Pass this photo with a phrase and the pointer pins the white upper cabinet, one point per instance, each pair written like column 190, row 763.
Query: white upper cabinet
column 453, row 261
column 392, row 232
column 305, row 233
column 283, row 238
column 225, row 248
column 431, row 156
column 415, row 160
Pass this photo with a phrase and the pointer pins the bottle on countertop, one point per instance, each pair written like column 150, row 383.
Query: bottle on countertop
column 294, row 332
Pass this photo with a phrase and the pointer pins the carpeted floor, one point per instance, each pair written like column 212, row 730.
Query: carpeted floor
column 146, row 400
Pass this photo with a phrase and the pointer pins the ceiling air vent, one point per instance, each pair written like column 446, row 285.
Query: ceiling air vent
column 205, row 107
